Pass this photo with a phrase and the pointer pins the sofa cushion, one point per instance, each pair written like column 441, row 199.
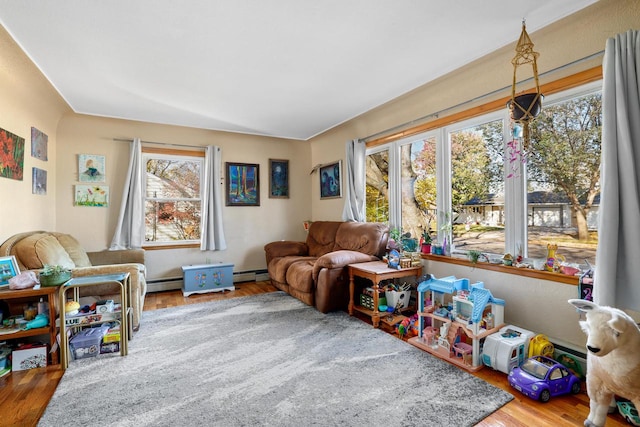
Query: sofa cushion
column 300, row 276
column 76, row 252
column 38, row 249
column 322, row 236
column 367, row 238
column 278, row 267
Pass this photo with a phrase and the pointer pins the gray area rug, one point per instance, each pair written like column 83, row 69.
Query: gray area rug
column 267, row 360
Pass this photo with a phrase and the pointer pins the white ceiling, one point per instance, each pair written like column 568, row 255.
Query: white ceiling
column 284, row 68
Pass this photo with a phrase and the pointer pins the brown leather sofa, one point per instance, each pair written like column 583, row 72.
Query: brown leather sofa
column 34, row 249
column 315, row 271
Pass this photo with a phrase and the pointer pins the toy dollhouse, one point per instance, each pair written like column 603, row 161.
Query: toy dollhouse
column 454, row 317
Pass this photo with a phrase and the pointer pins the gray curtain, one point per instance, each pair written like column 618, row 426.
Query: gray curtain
column 355, row 181
column 617, row 274
column 212, row 231
column 130, row 229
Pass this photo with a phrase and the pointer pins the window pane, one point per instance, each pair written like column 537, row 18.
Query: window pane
column 563, row 173
column 477, row 187
column 418, row 173
column 377, row 203
column 172, row 221
column 173, row 179
column 172, row 205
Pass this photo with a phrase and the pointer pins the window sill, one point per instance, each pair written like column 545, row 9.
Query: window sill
column 171, row 246
column 526, row 272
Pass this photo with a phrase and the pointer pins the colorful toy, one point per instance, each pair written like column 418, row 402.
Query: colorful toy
column 629, row 412
column 507, row 348
column 472, row 313
column 40, row 321
column 613, row 365
column 540, row 378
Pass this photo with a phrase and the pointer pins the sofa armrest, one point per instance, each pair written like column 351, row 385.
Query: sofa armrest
column 124, row 256
column 340, row 259
column 285, row 248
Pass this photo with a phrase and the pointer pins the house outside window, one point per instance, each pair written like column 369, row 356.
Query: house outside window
column 172, row 196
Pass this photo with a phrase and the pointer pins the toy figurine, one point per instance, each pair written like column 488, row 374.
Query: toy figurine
column 40, row 321
column 613, row 366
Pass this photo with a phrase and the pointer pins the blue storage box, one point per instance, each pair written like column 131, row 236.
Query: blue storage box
column 86, row 343
column 199, row 279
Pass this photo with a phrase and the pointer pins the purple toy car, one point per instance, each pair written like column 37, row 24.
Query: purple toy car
column 540, row 378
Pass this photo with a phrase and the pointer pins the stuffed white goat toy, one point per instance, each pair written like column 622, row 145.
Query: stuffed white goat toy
column 613, row 358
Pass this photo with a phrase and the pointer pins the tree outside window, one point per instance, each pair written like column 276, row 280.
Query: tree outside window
column 173, row 199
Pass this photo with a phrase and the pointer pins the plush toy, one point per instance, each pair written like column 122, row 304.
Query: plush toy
column 613, row 358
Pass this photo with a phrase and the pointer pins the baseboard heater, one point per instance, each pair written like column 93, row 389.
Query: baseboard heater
column 171, row 283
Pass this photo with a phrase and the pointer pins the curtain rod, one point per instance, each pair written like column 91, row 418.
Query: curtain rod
column 477, row 98
column 202, row 147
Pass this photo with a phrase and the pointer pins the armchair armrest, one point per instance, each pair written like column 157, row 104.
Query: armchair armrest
column 340, row 259
column 124, row 256
column 285, row 248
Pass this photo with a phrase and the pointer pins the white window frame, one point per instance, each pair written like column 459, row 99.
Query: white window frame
column 187, row 156
column 515, row 187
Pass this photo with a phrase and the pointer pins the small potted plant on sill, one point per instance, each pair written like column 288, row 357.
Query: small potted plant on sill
column 54, row 275
column 425, row 246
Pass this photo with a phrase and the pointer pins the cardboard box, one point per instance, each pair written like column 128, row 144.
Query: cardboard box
column 29, row 357
column 86, row 343
column 199, row 279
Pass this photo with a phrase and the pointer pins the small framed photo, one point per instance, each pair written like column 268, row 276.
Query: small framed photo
column 8, row 269
column 39, row 181
column 330, row 180
column 91, row 168
column 92, row 195
column 39, row 142
column 278, row 179
column 242, row 187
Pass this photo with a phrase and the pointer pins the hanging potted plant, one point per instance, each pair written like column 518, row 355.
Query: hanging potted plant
column 54, row 275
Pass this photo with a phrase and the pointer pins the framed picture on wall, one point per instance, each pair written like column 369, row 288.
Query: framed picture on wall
column 39, row 142
column 330, row 180
column 91, row 168
column 8, row 269
column 278, row 179
column 242, row 184
column 38, row 181
column 92, row 195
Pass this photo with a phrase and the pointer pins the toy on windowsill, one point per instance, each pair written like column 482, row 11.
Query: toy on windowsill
column 613, row 365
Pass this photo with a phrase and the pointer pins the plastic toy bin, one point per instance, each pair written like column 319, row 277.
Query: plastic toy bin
column 199, row 279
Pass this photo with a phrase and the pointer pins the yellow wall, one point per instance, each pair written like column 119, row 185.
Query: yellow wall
column 247, row 229
column 27, row 99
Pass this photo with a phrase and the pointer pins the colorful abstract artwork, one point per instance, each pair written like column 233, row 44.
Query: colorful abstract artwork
column 39, row 181
column 11, row 155
column 39, row 143
column 278, row 179
column 330, row 185
column 91, row 168
column 92, row 195
column 243, row 184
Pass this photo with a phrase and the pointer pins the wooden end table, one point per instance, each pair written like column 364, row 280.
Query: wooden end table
column 376, row 271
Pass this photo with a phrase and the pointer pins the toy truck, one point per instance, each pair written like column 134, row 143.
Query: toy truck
column 507, row 348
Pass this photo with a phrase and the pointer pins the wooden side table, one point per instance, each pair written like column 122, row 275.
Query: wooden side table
column 376, row 271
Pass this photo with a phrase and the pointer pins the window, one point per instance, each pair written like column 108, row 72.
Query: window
column 172, row 196
column 468, row 181
column 563, row 176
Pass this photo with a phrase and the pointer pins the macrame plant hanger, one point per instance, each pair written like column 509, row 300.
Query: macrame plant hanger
column 525, row 107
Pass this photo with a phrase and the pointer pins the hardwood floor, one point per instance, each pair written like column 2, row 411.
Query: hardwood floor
column 24, row 395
